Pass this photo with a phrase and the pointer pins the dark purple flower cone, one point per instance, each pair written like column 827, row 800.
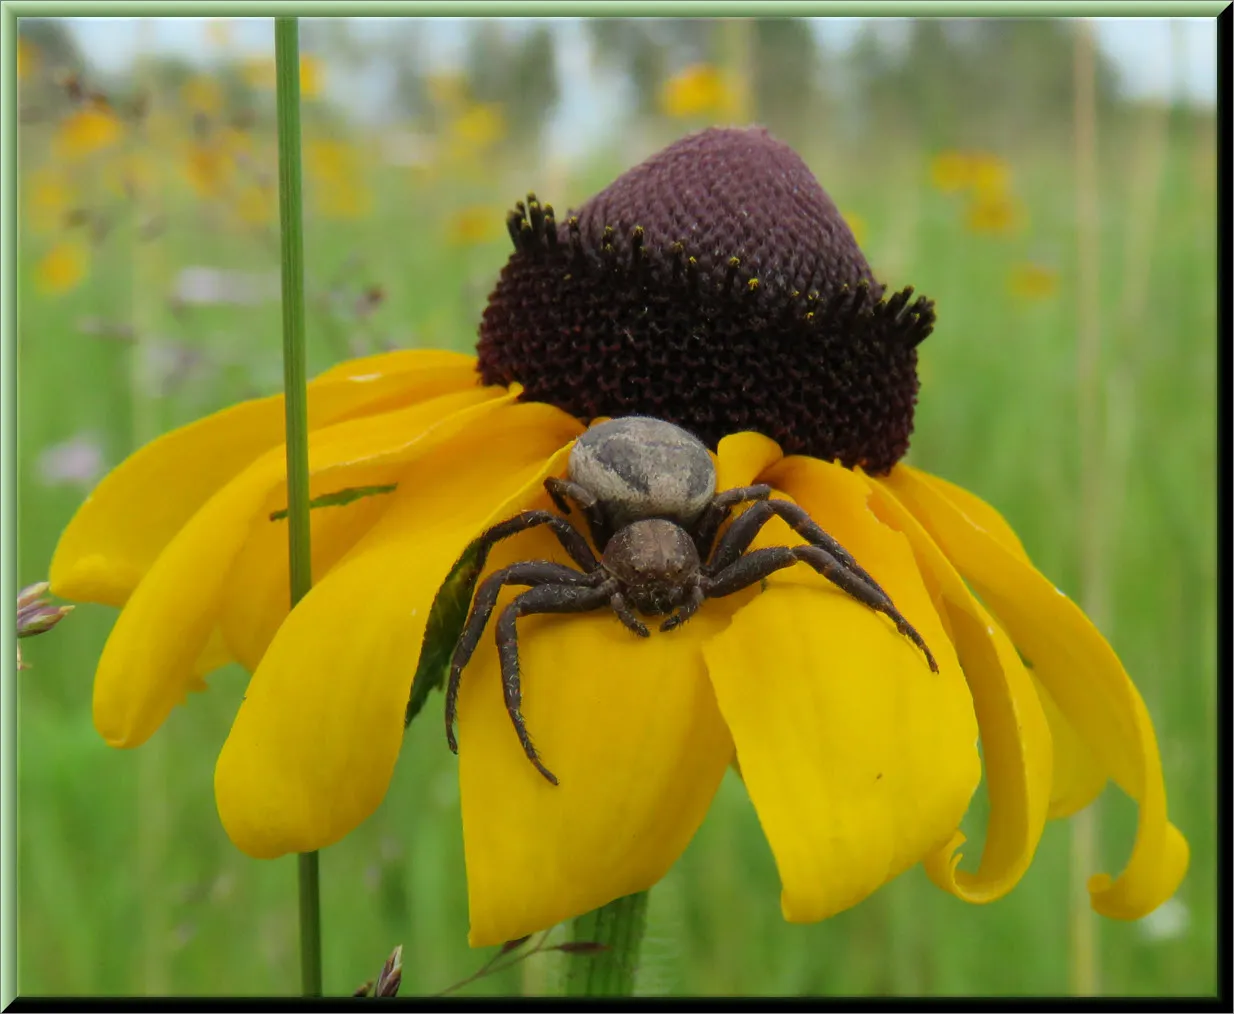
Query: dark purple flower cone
column 715, row 285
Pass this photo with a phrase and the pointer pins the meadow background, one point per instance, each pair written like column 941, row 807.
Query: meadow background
column 149, row 297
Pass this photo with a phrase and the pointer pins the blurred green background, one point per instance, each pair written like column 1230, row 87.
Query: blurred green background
column 149, row 297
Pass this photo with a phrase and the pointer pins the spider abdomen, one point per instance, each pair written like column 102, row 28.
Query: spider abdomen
column 655, row 561
column 639, row 467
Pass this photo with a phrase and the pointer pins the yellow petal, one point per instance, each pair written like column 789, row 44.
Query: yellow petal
column 119, row 531
column 149, row 658
column 314, row 744
column 742, row 457
column 1084, row 677
column 257, row 598
column 1078, row 776
column 631, row 730
column 384, row 364
column 859, row 760
column 1015, row 738
column 978, row 512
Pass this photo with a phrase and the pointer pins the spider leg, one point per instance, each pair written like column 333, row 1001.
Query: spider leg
column 571, row 538
column 535, row 572
column 563, row 491
column 697, row 596
column 624, row 613
column 718, row 511
column 743, row 531
column 761, row 563
column 547, row 598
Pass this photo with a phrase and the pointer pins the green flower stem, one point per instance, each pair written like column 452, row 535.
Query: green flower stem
column 619, row 926
column 291, row 220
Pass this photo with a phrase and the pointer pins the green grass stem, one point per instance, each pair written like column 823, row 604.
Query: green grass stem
column 291, row 220
column 619, row 926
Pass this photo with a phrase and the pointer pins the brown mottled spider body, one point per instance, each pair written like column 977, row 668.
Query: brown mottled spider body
column 647, row 490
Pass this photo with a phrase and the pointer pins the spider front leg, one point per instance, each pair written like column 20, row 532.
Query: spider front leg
column 547, row 598
column 533, row 573
column 744, row 530
column 571, row 538
column 688, row 608
column 718, row 511
column 761, row 563
column 562, row 491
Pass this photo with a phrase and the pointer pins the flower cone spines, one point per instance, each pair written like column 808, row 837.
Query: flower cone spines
column 717, row 286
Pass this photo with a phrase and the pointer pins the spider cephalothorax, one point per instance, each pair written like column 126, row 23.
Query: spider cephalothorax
column 647, row 489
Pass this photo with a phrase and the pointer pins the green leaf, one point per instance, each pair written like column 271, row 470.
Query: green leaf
column 341, row 498
column 445, row 624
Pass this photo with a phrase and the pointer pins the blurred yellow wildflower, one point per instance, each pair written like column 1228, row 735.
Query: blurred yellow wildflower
column 258, row 72
column 255, row 204
column 1028, row 280
column 478, row 127
column 202, row 95
column 27, row 59
column 699, row 90
column 63, row 267
column 956, row 171
column 474, row 225
column 48, row 196
column 336, row 170
column 86, row 131
column 208, row 168
column 133, row 173
column 312, row 75
column 857, row 225
column 996, row 215
column 991, row 176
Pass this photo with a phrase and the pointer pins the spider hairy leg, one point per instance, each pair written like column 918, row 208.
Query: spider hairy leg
column 571, row 538
column 547, row 598
column 562, row 491
column 761, row 563
column 624, row 613
column 717, row 513
column 743, row 531
column 696, row 599
column 533, row 573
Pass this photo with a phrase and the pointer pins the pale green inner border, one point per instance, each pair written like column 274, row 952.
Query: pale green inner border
column 9, row 13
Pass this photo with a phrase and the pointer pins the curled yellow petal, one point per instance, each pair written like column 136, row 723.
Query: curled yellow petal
column 314, row 743
column 1085, row 679
column 858, row 758
column 132, row 515
column 148, row 661
column 1016, row 744
column 1078, row 776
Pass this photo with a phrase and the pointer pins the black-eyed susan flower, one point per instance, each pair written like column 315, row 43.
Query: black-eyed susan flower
column 715, row 286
